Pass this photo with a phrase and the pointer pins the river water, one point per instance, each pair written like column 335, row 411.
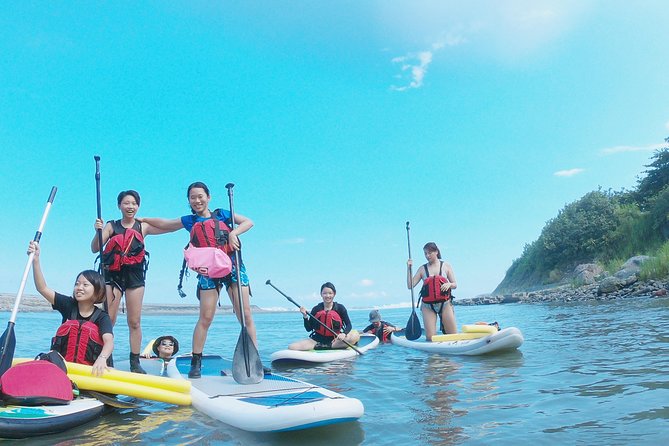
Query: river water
column 588, row 373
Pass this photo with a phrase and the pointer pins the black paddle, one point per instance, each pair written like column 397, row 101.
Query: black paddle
column 413, row 329
column 312, row 316
column 111, row 400
column 8, row 339
column 245, row 351
column 97, row 188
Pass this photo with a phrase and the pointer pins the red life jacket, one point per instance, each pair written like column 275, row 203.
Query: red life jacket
column 431, row 291
column 125, row 247
column 78, row 340
column 330, row 318
column 212, row 232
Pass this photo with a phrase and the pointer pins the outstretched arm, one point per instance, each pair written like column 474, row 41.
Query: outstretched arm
column 155, row 226
column 38, row 277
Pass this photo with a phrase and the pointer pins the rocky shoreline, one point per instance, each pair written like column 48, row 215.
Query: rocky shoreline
column 569, row 293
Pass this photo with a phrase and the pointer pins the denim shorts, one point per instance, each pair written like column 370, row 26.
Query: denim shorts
column 207, row 283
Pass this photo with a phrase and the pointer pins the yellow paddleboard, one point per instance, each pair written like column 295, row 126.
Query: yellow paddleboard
column 158, row 382
column 476, row 328
column 458, row 337
column 130, row 389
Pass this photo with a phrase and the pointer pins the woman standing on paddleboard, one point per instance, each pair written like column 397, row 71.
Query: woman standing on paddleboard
column 125, row 262
column 200, row 223
column 438, row 281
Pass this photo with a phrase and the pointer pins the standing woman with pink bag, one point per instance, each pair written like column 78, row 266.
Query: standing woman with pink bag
column 201, row 221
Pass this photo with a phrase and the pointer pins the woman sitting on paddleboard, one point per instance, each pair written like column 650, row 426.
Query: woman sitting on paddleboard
column 200, row 223
column 83, row 323
column 125, row 263
column 438, row 281
column 331, row 314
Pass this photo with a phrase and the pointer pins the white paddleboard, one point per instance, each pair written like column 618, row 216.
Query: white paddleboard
column 30, row 421
column 506, row 339
column 366, row 342
column 275, row 404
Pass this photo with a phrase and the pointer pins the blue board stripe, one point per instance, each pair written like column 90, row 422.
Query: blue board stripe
column 285, row 399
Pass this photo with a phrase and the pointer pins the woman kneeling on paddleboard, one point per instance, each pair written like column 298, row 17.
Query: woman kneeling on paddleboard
column 330, row 314
column 83, row 322
column 438, row 281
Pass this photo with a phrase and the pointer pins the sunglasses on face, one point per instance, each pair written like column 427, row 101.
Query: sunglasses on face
column 167, row 344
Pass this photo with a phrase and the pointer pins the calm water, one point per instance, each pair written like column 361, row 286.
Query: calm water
column 593, row 373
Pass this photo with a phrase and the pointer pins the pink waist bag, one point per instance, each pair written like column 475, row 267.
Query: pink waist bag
column 208, row 261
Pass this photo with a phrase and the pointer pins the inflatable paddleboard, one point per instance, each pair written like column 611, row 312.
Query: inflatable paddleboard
column 30, row 421
column 506, row 339
column 366, row 342
column 275, row 404
column 148, row 387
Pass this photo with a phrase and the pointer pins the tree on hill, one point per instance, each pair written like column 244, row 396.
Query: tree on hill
column 656, row 177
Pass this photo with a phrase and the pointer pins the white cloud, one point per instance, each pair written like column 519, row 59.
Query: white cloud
column 416, row 64
column 568, row 172
column 623, row 149
column 366, row 282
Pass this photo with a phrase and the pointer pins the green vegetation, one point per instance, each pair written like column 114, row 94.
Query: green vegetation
column 603, row 227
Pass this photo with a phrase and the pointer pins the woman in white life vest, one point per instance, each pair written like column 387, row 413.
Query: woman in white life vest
column 438, row 281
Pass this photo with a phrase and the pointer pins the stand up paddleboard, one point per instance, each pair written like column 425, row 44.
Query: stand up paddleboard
column 466, row 343
column 275, row 404
column 31, row 421
column 284, row 357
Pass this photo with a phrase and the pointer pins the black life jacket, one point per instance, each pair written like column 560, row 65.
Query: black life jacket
column 78, row 340
column 330, row 318
column 431, row 291
column 125, row 247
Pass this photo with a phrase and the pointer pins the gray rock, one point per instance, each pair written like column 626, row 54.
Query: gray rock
column 609, row 285
column 587, row 273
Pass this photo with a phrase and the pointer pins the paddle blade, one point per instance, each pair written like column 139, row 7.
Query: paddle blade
column 413, row 330
column 246, row 364
column 7, row 347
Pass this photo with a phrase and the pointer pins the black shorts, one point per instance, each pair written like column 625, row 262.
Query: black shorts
column 130, row 276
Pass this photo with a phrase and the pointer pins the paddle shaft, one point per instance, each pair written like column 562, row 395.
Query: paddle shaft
column 245, row 344
column 99, row 204
column 312, row 316
column 413, row 301
column 99, row 231
column 229, row 186
column 38, row 236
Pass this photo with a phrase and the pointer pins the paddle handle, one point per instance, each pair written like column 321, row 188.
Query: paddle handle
column 38, row 236
column 311, row 315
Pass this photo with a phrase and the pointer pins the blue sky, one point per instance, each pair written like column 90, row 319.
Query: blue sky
column 337, row 121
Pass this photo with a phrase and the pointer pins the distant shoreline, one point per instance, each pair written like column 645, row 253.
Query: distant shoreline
column 36, row 304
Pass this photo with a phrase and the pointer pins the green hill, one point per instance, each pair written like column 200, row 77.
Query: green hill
column 601, row 227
